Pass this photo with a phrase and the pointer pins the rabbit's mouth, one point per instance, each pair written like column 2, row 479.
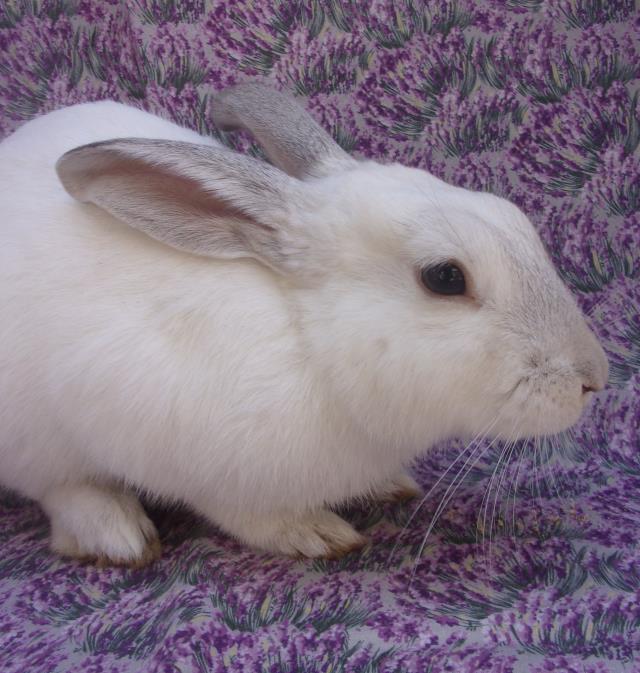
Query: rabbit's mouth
column 546, row 401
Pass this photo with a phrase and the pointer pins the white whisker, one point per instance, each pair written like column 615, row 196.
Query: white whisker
column 536, row 470
column 552, row 478
column 484, row 505
column 507, row 448
column 515, row 486
column 448, row 495
column 477, row 439
column 504, row 470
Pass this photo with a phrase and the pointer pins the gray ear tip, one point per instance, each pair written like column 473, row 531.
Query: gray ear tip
column 223, row 115
column 292, row 139
column 230, row 105
column 250, row 87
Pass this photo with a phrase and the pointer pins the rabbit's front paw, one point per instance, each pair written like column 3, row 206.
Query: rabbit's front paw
column 400, row 488
column 319, row 534
column 100, row 525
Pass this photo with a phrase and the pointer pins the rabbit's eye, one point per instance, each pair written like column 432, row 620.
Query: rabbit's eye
column 446, row 278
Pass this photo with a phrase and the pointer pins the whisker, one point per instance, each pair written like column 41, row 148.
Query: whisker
column 503, row 472
column 597, row 305
column 515, row 487
column 487, row 494
column 572, row 436
column 557, row 452
column 536, row 471
column 544, row 479
column 488, row 498
column 482, row 503
column 552, row 478
column 503, row 455
column 448, row 495
column 477, row 439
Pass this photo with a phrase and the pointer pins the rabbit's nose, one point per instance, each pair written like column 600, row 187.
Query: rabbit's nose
column 595, row 372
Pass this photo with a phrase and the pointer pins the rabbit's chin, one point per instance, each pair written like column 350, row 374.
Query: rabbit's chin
column 540, row 419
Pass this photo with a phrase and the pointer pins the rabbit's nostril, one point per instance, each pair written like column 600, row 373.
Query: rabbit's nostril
column 593, row 375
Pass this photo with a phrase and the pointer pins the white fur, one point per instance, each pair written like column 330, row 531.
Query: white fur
column 255, row 398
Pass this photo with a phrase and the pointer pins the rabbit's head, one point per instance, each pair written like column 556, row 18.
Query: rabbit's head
column 428, row 310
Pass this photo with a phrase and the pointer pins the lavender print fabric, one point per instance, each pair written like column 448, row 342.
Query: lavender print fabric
column 534, row 563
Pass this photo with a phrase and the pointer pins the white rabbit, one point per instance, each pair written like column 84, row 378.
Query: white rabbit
column 293, row 337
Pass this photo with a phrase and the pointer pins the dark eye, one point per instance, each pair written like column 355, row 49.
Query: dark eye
column 444, row 278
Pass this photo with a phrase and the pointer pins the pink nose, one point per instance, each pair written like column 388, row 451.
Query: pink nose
column 594, row 376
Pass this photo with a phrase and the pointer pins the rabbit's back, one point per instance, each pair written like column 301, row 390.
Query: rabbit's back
column 113, row 345
column 45, row 139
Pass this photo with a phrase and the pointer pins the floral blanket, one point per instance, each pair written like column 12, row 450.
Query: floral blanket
column 533, row 564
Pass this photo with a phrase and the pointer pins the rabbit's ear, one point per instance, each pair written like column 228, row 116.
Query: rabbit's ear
column 292, row 140
column 207, row 200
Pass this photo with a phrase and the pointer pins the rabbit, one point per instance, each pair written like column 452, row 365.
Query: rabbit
column 261, row 341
